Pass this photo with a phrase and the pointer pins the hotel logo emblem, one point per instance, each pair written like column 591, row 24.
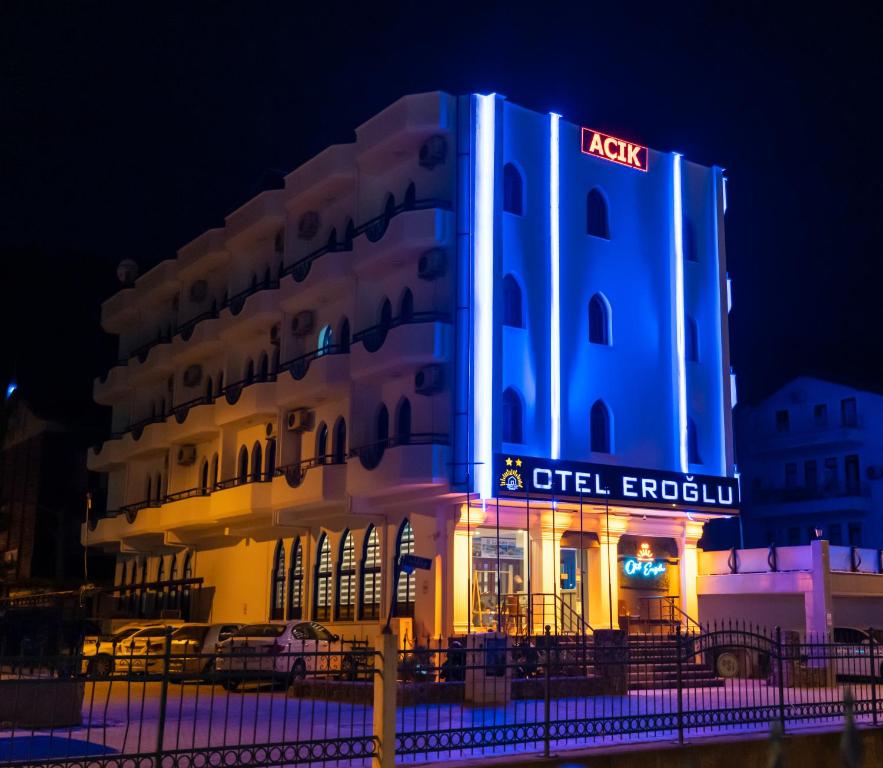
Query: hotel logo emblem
column 510, row 479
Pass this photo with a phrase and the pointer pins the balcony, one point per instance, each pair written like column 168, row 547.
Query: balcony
column 318, row 277
column 399, row 465
column 247, row 399
column 310, row 379
column 196, row 340
column 311, row 484
column 106, row 456
column 235, row 502
column 769, row 502
column 401, row 345
column 192, row 422
column 810, row 436
column 250, row 312
column 406, row 237
column 112, row 387
column 155, row 366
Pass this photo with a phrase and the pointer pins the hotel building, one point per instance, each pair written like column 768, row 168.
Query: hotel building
column 478, row 335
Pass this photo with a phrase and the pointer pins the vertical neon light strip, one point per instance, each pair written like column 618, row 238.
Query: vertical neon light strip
column 483, row 288
column 720, row 342
column 555, row 280
column 680, row 344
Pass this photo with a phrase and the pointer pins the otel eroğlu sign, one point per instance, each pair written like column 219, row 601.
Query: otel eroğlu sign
column 528, row 476
column 613, row 149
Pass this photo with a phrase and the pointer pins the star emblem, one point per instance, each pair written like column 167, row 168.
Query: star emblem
column 517, row 462
column 508, row 462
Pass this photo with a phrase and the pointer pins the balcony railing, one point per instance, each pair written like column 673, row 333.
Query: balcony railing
column 371, row 455
column 294, row 474
column 374, row 337
column 373, row 229
column 299, row 366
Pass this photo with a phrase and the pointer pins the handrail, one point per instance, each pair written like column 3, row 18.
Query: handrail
column 669, row 602
column 164, row 338
column 412, row 438
column 295, row 472
column 374, row 336
column 292, row 366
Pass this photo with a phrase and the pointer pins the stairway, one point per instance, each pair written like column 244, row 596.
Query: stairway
column 653, row 664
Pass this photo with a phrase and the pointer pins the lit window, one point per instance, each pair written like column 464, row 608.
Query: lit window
column 277, row 583
column 322, row 601
column 371, row 576
column 325, row 340
column 296, row 581
column 346, row 579
column 406, row 589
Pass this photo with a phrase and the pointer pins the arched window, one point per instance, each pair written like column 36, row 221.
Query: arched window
column 186, row 575
column 159, row 596
column 406, row 588
column 321, row 443
column 382, row 425
column 296, row 581
column 276, row 360
column 513, row 190
column 693, row 455
column 403, row 422
column 599, row 320
column 512, row 303
column 689, row 245
column 346, row 579
column 263, row 367
column 257, row 461
column 220, row 380
column 203, row 477
column 325, row 340
column 406, row 306
column 343, row 335
column 214, row 473
column 385, row 313
column 513, row 418
column 599, row 428
column 157, row 487
column 277, row 583
column 369, row 607
column 148, row 496
column 270, row 468
column 597, row 221
column 322, row 596
column 249, row 371
column 691, row 340
column 339, row 441
column 173, row 588
column 242, row 473
column 209, row 389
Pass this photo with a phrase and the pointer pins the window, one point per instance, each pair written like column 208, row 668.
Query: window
column 160, row 595
column 214, row 473
column 848, row 415
column 369, row 608
column 599, row 428
column 157, row 487
column 346, row 579
column 203, row 478
column 343, row 335
column 512, row 303
column 851, row 470
column 835, row 534
column 791, row 475
column 831, row 479
column 406, row 306
column 322, row 598
column 855, row 534
column 186, row 574
column 599, row 320
column 597, row 222
column 691, row 340
column 382, row 425
column 339, row 442
column 263, row 367
column 296, row 581
column 325, row 341
column 270, row 468
column 209, row 389
column 513, row 190
column 249, row 372
column 220, row 380
column 385, row 313
column 242, row 474
column 406, row 588
column 173, row 588
column 148, row 494
column 783, row 421
column 403, row 422
column 820, row 414
column 257, row 461
column 693, row 455
column 321, row 443
column 690, row 253
column 277, row 583
column 513, row 424
column 811, row 475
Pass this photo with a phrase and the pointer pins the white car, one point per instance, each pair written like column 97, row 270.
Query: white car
column 852, row 652
column 277, row 651
column 194, row 648
column 99, row 651
column 143, row 651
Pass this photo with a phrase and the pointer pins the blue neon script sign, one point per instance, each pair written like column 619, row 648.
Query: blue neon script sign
column 648, row 569
column 529, row 476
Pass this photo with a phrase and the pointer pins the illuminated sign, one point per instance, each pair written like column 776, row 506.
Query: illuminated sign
column 528, row 476
column 613, row 149
column 645, row 554
column 649, row 570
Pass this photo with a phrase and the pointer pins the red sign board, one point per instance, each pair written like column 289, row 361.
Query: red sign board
column 613, row 149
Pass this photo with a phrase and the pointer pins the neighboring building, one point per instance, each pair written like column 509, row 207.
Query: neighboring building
column 811, row 461
column 452, row 338
column 43, row 485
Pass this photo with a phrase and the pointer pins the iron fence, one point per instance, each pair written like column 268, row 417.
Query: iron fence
column 163, row 702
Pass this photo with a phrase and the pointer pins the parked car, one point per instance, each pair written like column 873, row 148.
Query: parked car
column 143, row 651
column 852, row 652
column 194, row 648
column 99, row 650
column 276, row 651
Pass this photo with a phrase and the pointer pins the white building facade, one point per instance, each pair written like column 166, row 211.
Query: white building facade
column 479, row 335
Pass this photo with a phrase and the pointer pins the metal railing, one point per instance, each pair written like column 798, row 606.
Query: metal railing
column 662, row 614
column 371, row 454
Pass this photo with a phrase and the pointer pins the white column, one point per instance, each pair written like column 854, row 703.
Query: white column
column 688, row 556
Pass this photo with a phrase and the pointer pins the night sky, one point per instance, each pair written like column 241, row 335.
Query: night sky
column 126, row 129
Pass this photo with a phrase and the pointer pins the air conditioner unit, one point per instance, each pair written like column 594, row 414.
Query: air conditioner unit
column 433, row 152
column 429, row 380
column 432, row 264
column 302, row 323
column 301, row 420
column 186, row 455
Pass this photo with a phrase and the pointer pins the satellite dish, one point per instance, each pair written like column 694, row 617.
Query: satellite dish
column 127, row 271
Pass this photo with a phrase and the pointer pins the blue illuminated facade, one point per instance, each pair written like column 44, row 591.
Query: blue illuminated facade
column 618, row 350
